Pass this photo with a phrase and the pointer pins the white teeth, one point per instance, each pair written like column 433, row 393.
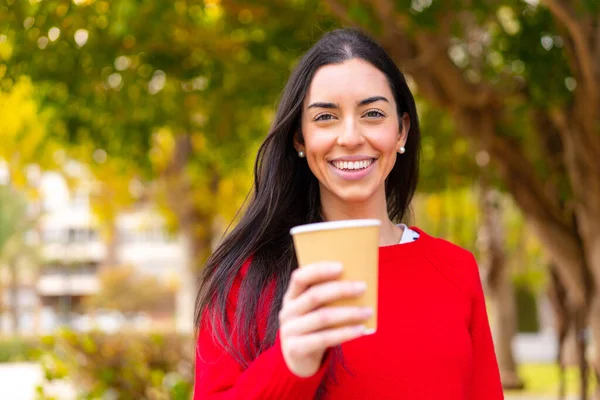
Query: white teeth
column 352, row 165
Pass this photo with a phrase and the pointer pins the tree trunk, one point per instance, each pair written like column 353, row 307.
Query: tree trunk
column 581, row 342
column 500, row 286
column 583, row 166
column 562, row 322
column 196, row 226
column 595, row 330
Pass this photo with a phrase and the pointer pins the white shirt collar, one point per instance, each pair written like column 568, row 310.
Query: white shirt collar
column 408, row 235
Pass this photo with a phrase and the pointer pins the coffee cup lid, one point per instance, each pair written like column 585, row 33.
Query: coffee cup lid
column 319, row 226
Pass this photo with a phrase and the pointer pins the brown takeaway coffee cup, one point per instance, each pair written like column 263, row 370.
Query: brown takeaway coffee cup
column 353, row 243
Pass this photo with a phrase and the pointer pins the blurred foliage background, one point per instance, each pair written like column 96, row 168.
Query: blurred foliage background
column 141, row 120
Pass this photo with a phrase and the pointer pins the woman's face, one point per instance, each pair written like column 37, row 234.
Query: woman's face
column 351, row 130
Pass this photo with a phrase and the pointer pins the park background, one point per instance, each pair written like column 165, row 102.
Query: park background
column 128, row 131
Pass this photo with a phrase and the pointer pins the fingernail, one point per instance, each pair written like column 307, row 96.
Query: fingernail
column 369, row 331
column 367, row 311
column 360, row 329
column 359, row 286
column 335, row 267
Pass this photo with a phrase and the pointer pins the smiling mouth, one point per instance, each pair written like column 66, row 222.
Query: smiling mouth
column 353, row 165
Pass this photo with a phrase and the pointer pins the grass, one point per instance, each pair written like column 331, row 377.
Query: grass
column 13, row 349
column 542, row 379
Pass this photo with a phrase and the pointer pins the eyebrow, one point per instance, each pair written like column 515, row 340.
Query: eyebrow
column 363, row 102
column 372, row 99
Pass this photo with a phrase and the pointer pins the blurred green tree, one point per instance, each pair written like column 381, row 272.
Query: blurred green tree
column 15, row 250
column 183, row 98
column 25, row 148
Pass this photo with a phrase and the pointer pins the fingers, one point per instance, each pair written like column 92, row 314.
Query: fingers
column 326, row 317
column 304, row 277
column 300, row 346
column 308, row 324
column 319, row 295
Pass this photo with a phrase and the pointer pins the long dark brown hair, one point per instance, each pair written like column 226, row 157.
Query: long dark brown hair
column 286, row 194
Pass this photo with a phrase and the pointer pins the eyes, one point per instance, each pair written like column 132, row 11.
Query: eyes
column 324, row 117
column 374, row 114
column 370, row 114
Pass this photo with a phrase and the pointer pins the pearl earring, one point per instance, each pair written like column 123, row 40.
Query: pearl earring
column 402, row 150
column 301, row 154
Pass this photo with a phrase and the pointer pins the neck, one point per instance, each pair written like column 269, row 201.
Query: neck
column 336, row 209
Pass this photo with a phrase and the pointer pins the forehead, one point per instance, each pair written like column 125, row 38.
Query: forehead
column 354, row 78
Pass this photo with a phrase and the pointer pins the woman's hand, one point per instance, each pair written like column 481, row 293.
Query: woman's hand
column 307, row 327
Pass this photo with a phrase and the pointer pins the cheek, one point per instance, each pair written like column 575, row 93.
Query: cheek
column 385, row 140
column 319, row 143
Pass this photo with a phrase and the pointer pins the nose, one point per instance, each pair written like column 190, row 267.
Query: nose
column 350, row 135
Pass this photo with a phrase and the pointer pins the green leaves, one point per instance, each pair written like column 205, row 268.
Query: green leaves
column 536, row 54
column 127, row 365
column 115, row 78
column 117, row 74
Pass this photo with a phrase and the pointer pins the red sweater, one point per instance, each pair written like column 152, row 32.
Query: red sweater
column 433, row 340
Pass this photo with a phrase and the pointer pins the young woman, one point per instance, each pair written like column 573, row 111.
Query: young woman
column 344, row 145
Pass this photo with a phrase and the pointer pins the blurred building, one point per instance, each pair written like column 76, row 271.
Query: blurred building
column 73, row 251
column 145, row 243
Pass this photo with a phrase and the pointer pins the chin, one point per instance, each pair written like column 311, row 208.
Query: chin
column 354, row 195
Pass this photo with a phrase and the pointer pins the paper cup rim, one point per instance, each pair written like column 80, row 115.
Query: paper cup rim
column 320, row 226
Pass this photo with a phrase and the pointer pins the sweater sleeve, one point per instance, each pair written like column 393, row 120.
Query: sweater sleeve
column 219, row 376
column 485, row 382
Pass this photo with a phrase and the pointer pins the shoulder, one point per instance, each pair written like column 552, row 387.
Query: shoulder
column 443, row 248
column 456, row 263
column 453, row 252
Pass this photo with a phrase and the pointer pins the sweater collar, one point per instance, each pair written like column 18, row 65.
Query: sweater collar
column 412, row 249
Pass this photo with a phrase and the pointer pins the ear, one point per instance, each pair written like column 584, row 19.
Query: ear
column 403, row 132
column 299, row 141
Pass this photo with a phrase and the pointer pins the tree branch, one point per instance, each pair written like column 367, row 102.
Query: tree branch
column 395, row 25
column 576, row 28
column 450, row 77
column 544, row 214
column 581, row 159
column 597, row 39
column 431, row 61
column 340, row 11
column 385, row 12
column 394, row 38
column 551, row 146
column 422, row 60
